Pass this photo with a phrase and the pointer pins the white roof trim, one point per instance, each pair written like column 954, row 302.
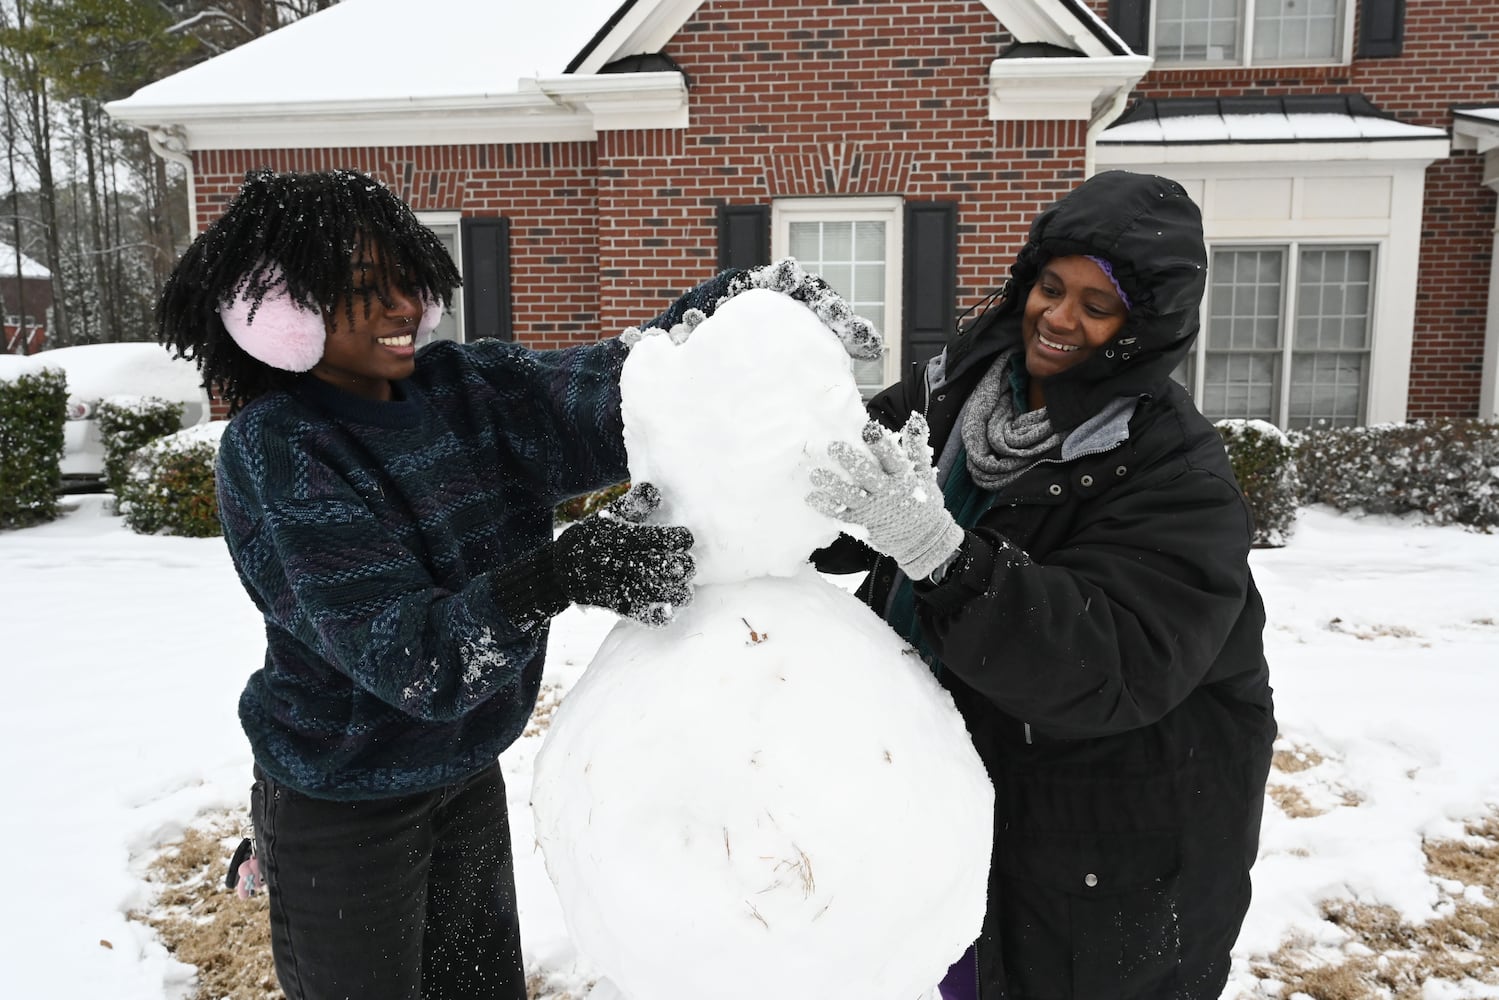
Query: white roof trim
column 1066, row 89
column 1054, row 23
column 554, row 109
column 648, row 25
column 1419, row 151
column 1476, row 129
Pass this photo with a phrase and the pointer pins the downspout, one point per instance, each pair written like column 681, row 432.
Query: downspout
column 1101, row 120
column 170, row 143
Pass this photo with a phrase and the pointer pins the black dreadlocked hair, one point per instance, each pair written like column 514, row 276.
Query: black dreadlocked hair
column 310, row 226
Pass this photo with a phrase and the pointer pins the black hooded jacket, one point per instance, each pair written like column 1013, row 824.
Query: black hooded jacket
column 1102, row 635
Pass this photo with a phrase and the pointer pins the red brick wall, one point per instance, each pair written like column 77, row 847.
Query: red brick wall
column 1448, row 59
column 788, row 97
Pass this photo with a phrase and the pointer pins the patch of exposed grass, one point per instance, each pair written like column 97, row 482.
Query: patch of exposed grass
column 206, row 925
column 1387, row 958
column 1298, row 758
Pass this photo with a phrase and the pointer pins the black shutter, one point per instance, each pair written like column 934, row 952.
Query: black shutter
column 1130, row 20
column 1381, row 32
column 931, row 278
column 486, row 279
column 743, row 235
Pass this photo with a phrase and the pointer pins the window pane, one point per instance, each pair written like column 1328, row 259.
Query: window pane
column 1245, row 299
column 1327, row 390
column 1240, row 386
column 1295, row 29
column 1332, row 300
column 806, row 241
column 1197, row 30
column 449, row 328
column 849, row 256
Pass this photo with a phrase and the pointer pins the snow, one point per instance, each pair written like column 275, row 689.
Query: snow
column 29, row 267
column 439, row 48
column 100, row 371
column 1266, row 128
column 125, row 656
column 746, row 804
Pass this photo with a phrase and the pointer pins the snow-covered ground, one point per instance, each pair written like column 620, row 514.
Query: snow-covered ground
column 123, row 657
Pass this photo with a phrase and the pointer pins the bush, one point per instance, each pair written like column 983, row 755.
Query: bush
column 126, row 423
column 1445, row 469
column 1264, row 463
column 169, row 487
column 580, row 507
column 33, row 407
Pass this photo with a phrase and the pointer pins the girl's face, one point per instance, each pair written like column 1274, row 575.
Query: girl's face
column 1072, row 311
column 367, row 352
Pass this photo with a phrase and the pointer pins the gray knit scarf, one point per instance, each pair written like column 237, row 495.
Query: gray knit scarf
column 1002, row 442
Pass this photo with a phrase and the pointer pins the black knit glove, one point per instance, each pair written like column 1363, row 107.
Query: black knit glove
column 613, row 560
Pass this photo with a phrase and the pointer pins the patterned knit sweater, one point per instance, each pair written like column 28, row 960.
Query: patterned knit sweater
column 400, row 555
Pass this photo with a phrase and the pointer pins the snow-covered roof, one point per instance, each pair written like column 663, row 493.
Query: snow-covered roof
column 29, row 267
column 1335, row 118
column 375, row 72
column 1478, row 114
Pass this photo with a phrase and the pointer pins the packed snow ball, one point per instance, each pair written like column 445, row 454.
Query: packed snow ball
column 773, row 797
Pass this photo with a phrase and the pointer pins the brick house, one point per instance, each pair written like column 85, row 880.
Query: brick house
column 587, row 159
column 25, row 302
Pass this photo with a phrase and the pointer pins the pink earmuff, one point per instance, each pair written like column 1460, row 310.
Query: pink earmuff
column 431, row 316
column 282, row 333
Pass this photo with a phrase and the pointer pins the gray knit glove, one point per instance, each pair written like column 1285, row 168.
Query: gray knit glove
column 895, row 496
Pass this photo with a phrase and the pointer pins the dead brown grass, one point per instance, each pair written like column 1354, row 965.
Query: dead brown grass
column 204, row 924
column 1397, row 959
column 1292, row 801
column 1298, row 758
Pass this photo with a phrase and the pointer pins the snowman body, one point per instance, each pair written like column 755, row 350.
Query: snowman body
column 772, row 797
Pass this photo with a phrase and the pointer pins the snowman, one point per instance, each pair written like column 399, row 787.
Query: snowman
column 771, row 797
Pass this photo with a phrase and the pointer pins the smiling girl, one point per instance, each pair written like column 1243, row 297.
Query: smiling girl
column 389, row 511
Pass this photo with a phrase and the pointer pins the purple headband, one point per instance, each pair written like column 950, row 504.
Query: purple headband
column 1108, row 270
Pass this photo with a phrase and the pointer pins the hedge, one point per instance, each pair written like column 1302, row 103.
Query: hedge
column 33, row 408
column 128, row 422
column 1447, row 470
column 169, row 488
column 1263, row 461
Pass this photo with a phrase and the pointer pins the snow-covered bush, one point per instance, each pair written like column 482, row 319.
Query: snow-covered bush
column 33, row 407
column 169, row 486
column 1264, row 462
column 1445, row 469
column 580, row 507
column 128, row 422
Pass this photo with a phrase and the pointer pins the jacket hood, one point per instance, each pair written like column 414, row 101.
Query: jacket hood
column 1150, row 231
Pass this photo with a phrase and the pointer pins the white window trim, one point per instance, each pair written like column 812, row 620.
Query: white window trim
column 1397, row 238
column 891, row 211
column 1246, row 60
column 453, row 220
column 1289, row 303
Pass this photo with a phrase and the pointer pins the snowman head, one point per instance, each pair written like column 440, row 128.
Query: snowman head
column 729, row 423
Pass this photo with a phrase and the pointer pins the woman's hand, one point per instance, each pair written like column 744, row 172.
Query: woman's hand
column 894, row 496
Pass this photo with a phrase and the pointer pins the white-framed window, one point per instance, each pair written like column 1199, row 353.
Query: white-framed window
column 855, row 245
column 445, row 225
column 1287, row 335
column 1252, row 32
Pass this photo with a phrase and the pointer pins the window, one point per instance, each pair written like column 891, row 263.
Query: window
column 1251, row 32
column 1286, row 335
column 854, row 244
column 444, row 226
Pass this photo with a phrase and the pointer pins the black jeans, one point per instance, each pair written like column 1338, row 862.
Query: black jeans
column 409, row 898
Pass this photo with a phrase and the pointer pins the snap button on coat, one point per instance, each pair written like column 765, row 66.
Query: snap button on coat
column 1055, row 489
column 1090, row 880
column 1086, row 480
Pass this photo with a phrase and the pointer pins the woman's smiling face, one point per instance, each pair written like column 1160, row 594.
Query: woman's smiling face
column 1072, row 311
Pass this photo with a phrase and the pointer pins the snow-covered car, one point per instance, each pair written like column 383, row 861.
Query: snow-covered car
column 119, row 372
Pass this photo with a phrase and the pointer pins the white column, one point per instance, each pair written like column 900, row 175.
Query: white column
column 1488, row 395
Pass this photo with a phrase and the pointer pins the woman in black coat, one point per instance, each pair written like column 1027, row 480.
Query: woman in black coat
column 1075, row 569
